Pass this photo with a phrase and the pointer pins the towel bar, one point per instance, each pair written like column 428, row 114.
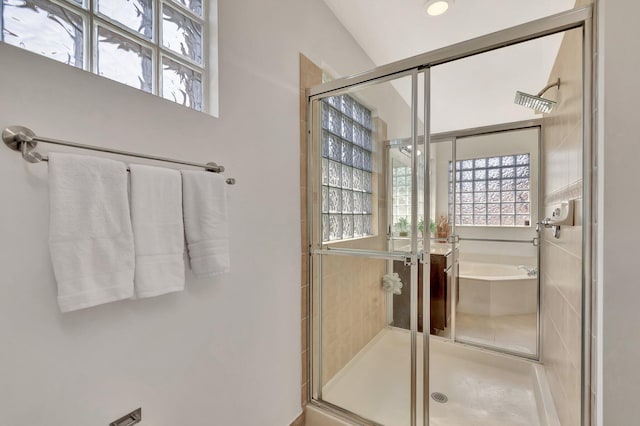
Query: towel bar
column 24, row 140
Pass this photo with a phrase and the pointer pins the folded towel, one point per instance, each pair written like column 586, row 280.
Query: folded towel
column 90, row 236
column 204, row 196
column 158, row 230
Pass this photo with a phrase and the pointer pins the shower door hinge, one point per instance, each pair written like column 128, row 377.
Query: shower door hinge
column 409, row 260
column 453, row 239
column 536, row 241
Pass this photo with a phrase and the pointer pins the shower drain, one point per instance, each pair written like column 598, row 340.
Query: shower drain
column 439, row 397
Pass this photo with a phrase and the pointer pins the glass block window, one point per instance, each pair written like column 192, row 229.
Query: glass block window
column 492, row 191
column 401, row 193
column 156, row 46
column 347, row 177
column 401, row 190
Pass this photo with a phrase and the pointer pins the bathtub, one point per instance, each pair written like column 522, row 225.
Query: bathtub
column 492, row 289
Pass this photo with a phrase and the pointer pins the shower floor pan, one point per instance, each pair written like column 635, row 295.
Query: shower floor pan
column 481, row 387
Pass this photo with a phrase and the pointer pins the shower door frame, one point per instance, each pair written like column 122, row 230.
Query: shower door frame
column 572, row 19
column 319, row 248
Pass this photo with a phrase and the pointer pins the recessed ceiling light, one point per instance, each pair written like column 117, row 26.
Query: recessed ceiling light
column 437, row 7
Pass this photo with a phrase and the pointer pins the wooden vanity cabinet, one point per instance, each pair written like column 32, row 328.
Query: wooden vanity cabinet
column 441, row 273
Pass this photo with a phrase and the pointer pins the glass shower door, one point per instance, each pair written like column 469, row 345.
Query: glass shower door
column 496, row 204
column 362, row 365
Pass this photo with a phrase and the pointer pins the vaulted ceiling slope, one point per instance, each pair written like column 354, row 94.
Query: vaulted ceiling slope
column 473, row 92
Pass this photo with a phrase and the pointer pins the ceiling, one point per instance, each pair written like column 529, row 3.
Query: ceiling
column 472, row 92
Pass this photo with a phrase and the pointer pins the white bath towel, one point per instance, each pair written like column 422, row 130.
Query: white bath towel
column 204, row 196
column 158, row 230
column 90, row 236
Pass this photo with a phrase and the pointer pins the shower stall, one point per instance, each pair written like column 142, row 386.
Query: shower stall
column 425, row 262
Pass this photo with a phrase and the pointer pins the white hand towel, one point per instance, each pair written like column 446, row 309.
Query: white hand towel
column 90, row 236
column 204, row 196
column 158, row 230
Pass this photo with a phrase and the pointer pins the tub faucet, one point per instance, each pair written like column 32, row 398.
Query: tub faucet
column 531, row 271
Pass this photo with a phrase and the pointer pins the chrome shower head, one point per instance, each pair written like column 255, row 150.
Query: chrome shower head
column 534, row 102
column 537, row 102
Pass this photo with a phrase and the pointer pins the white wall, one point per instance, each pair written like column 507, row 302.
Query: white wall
column 619, row 151
column 225, row 351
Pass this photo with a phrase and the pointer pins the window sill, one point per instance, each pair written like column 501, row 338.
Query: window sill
column 495, row 226
column 350, row 240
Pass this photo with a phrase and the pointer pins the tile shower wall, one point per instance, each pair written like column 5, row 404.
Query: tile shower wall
column 353, row 309
column 310, row 75
column 353, row 305
column 561, row 259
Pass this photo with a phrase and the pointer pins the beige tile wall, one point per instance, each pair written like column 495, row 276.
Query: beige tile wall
column 300, row 420
column 561, row 259
column 353, row 309
column 310, row 75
